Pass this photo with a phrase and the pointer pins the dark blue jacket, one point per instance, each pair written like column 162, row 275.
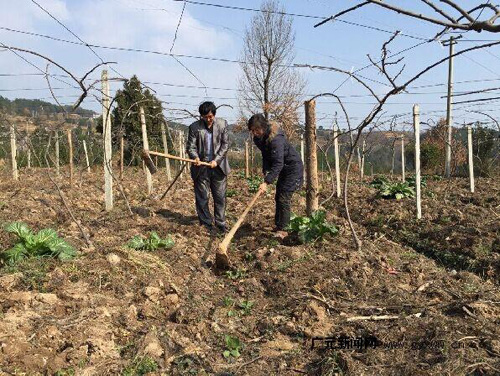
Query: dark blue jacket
column 280, row 160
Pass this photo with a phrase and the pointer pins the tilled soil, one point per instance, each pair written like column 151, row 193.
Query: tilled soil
column 114, row 310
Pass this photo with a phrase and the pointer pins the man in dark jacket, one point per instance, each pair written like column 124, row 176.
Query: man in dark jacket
column 279, row 161
column 208, row 142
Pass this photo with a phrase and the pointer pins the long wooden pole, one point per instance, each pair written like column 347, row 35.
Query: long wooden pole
column 145, row 145
column 221, row 257
column 57, row 152
column 337, row 159
column 312, row 183
column 165, row 149
column 170, row 156
column 106, row 126
column 13, row 152
column 403, row 177
column 471, row 159
column 247, row 166
column 449, row 120
column 28, row 143
column 86, row 156
column 416, row 124
column 122, row 162
column 70, row 147
column 179, row 134
column 362, row 165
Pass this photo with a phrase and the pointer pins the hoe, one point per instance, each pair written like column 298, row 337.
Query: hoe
column 221, row 257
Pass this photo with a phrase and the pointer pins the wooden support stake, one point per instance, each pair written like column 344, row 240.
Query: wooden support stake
column 416, row 124
column 122, row 156
column 312, row 184
column 302, row 152
column 57, row 152
column 252, row 154
column 471, row 159
column 28, row 144
column 165, row 150
column 337, row 159
column 403, row 177
column 13, row 152
column 70, row 147
column 145, row 145
column 86, row 156
column 362, row 165
column 247, row 152
column 106, row 126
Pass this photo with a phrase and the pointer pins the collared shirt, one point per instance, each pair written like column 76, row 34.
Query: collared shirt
column 209, row 135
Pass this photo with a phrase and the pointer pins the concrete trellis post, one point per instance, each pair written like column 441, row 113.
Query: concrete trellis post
column 471, row 159
column 145, row 145
column 106, row 126
column 416, row 124
column 86, row 156
column 70, row 147
column 13, row 152
column 403, row 177
column 311, row 159
column 165, row 150
column 337, row 158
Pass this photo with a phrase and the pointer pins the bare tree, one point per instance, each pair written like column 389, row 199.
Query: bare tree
column 269, row 84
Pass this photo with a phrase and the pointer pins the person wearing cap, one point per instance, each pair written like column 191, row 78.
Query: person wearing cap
column 208, row 141
column 281, row 162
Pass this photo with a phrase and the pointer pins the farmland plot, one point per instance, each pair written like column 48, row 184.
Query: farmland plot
column 118, row 310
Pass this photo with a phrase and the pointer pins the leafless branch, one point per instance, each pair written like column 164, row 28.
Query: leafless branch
column 448, row 21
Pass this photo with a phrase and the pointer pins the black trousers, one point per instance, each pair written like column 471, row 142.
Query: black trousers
column 283, row 209
column 212, row 180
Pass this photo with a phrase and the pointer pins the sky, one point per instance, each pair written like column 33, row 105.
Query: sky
column 210, row 32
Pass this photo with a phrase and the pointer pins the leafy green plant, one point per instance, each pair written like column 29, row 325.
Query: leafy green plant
column 236, row 274
column 412, row 181
column 249, row 256
column 65, row 372
column 231, row 192
column 396, row 190
column 46, row 243
column 253, row 183
column 311, row 228
column 246, row 306
column 228, row 301
column 378, row 182
column 233, row 347
column 150, row 243
column 140, row 367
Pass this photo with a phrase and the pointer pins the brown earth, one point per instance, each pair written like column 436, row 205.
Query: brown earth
column 114, row 310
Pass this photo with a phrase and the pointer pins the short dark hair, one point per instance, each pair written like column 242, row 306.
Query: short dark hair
column 258, row 121
column 207, row 107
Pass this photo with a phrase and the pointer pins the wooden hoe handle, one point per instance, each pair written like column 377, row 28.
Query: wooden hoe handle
column 169, row 156
column 222, row 260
